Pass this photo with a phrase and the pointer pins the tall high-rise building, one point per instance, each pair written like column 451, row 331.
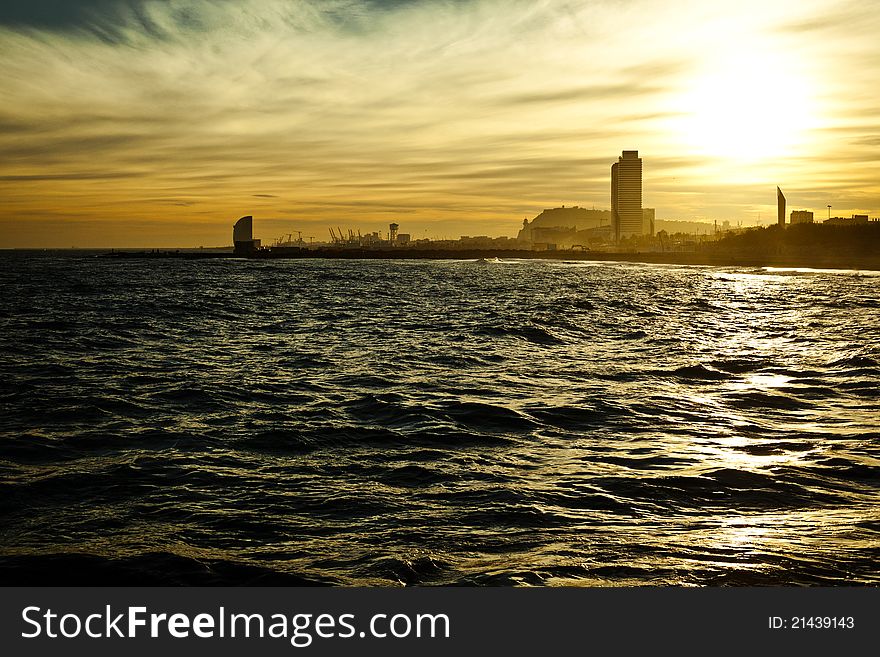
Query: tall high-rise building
column 780, row 207
column 243, row 236
column 243, row 231
column 626, row 196
column 615, row 220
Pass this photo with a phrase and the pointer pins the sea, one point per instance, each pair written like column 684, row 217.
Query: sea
column 435, row 422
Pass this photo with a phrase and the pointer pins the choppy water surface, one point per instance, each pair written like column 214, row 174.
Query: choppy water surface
column 430, row 422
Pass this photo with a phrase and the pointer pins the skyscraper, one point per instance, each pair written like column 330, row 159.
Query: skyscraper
column 780, row 207
column 626, row 195
column 243, row 236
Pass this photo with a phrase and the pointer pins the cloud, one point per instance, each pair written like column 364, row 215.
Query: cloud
column 62, row 176
column 115, row 108
column 579, row 94
column 872, row 140
column 849, row 18
column 54, row 14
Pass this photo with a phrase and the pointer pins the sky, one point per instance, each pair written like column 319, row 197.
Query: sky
column 146, row 123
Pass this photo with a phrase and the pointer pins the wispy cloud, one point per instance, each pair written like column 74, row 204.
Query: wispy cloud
column 462, row 111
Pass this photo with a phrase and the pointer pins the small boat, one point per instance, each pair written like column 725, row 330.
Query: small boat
column 488, row 261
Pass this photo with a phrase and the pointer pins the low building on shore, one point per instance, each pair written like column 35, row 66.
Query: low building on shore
column 801, row 217
column 855, row 220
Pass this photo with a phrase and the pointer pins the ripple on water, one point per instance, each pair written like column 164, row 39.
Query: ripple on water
column 381, row 422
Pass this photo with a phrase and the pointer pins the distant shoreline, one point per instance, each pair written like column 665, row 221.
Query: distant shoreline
column 812, row 261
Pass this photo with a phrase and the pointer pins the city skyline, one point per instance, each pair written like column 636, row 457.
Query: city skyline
column 152, row 124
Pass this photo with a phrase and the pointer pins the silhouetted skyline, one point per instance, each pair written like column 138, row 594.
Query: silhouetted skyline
column 134, row 123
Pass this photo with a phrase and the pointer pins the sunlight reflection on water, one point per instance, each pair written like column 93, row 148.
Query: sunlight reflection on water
column 443, row 422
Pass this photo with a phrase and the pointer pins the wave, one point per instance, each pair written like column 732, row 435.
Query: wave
column 149, row 569
column 434, row 424
column 740, row 366
column 534, row 334
column 485, row 416
column 696, row 372
column 857, row 361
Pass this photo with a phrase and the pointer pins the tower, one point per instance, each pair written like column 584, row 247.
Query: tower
column 780, row 207
column 243, row 235
column 626, row 196
column 392, row 235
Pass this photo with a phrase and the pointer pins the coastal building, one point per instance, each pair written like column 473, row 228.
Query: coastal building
column 780, row 207
column 801, row 217
column 855, row 220
column 567, row 227
column 626, row 196
column 575, row 226
column 243, row 236
column 573, row 217
column 648, row 221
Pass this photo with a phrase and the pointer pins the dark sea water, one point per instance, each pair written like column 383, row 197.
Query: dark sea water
column 436, row 422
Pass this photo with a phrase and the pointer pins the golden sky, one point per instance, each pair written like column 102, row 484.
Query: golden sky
column 146, row 123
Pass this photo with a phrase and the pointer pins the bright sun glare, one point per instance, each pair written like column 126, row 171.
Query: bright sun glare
column 750, row 106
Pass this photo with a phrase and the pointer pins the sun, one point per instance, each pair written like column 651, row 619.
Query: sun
column 746, row 106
